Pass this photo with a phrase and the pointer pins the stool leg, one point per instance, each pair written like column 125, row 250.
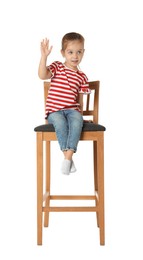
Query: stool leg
column 100, row 173
column 95, row 175
column 47, row 203
column 95, row 165
column 39, row 187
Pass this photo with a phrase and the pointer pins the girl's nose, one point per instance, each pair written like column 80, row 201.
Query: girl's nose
column 75, row 55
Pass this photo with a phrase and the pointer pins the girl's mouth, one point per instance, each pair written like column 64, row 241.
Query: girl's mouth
column 75, row 61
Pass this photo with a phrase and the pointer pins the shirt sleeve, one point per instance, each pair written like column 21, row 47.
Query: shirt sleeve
column 84, row 88
column 53, row 68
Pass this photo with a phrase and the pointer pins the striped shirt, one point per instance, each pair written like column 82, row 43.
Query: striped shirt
column 64, row 88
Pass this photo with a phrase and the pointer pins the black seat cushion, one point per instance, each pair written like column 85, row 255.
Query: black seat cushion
column 87, row 126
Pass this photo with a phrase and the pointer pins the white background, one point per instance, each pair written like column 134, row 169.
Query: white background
column 114, row 55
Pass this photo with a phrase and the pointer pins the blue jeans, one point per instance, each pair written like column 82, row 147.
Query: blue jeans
column 68, row 126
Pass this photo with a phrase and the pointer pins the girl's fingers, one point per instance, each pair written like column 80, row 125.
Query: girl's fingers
column 45, row 45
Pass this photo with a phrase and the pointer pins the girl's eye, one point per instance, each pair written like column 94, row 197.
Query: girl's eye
column 70, row 52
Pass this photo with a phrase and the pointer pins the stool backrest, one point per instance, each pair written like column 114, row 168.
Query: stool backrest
column 89, row 103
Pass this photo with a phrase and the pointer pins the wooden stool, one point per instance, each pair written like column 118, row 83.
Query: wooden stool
column 91, row 131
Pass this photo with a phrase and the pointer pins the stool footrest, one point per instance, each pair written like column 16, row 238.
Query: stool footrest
column 72, row 197
column 69, row 209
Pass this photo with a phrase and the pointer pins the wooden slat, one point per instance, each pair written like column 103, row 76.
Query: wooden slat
column 73, row 197
column 70, row 209
column 88, row 113
column 87, row 102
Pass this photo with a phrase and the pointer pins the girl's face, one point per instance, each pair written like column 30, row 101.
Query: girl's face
column 73, row 54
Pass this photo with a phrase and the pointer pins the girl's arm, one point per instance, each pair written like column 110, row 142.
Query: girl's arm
column 43, row 71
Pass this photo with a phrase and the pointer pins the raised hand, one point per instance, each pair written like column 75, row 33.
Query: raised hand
column 45, row 49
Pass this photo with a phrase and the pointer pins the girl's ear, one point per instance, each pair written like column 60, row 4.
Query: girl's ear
column 62, row 52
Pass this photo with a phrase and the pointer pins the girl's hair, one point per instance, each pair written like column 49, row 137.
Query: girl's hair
column 71, row 37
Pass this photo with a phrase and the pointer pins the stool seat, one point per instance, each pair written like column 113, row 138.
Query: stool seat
column 87, row 126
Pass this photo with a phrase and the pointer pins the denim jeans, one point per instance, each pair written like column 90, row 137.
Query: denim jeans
column 68, row 126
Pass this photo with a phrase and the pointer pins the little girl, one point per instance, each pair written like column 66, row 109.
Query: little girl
column 62, row 107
